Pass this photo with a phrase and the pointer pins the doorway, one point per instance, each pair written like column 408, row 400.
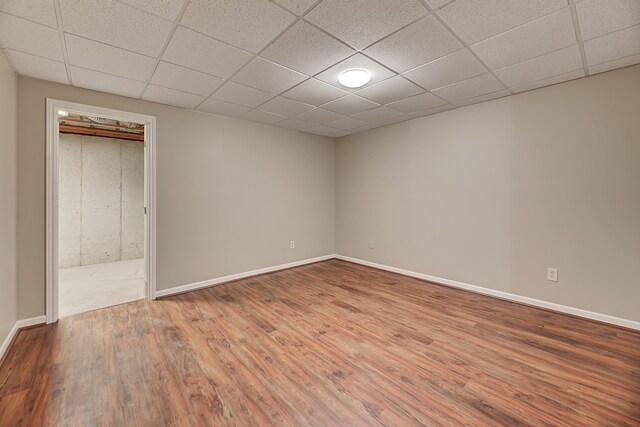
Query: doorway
column 100, row 208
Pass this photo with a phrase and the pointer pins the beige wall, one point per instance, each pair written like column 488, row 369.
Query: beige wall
column 8, row 196
column 231, row 194
column 494, row 193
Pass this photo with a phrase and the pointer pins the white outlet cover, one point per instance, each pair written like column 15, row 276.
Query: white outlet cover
column 292, row 244
column 552, row 274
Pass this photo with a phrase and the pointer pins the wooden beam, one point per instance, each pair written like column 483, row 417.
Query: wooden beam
column 78, row 130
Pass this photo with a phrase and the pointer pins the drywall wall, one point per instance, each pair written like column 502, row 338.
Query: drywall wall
column 231, row 193
column 494, row 193
column 8, row 196
column 101, row 200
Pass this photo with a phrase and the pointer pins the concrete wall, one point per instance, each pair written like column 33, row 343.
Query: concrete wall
column 8, row 197
column 231, row 193
column 493, row 194
column 101, row 198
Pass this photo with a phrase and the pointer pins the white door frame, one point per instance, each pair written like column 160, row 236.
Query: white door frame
column 53, row 137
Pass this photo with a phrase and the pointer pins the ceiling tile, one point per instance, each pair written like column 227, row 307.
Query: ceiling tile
column 38, row 67
column 390, row 90
column 483, row 98
column 184, row 79
column 417, row 44
column 221, row 107
column 550, row 81
column 102, row 82
column 613, row 46
column 285, row 107
column 437, row 4
column 241, row 94
column 323, row 131
column 417, row 103
column 176, row 98
column 314, row 92
column 475, row 20
column 538, row 37
column 350, row 104
column 612, row 65
column 378, row 72
column 263, row 117
column 319, row 116
column 26, row 36
column 378, row 114
column 108, row 59
column 247, row 24
column 469, row 88
column 445, row 71
column 40, row 11
column 168, row 9
column 360, row 23
column 296, row 6
column 306, row 49
column 347, row 123
column 267, row 76
column 296, row 124
column 116, row 24
column 599, row 17
column 542, row 67
column 430, row 111
column 193, row 50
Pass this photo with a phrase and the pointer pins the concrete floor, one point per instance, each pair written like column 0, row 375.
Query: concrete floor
column 90, row 287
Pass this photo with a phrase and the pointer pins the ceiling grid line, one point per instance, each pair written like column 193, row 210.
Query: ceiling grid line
column 63, row 43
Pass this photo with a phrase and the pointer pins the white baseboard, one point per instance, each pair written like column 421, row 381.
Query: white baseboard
column 237, row 276
column 24, row 323
column 631, row 324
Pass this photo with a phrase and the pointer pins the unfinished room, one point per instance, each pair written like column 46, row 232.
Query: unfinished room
column 319, row 213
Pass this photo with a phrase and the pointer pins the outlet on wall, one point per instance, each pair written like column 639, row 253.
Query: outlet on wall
column 372, row 244
column 292, row 244
column 552, row 274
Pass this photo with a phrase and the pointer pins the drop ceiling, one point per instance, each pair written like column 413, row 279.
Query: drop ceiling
column 277, row 62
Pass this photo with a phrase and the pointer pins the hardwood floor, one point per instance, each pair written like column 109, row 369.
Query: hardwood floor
column 332, row 344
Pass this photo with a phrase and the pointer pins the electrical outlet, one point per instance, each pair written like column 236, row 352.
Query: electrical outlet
column 552, row 274
column 372, row 244
column 292, row 244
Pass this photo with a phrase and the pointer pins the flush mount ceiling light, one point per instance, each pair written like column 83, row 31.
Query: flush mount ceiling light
column 354, row 78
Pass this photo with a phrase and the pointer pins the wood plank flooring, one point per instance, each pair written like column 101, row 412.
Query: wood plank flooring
column 326, row 344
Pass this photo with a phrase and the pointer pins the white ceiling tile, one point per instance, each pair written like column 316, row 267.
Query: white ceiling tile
column 350, row 104
column 241, row 94
column 378, row 114
column 452, row 68
column 40, row 11
column 319, row 116
column 475, row 20
column 360, row 23
column 38, row 67
column 296, row 6
column 613, row 46
column 399, row 119
column 296, row 124
column 116, row 24
column 247, row 24
column 483, row 98
column 168, row 9
column 390, row 90
column 193, row 50
column 434, row 110
column 176, row 98
column 306, row 49
column 323, row 131
column 538, row 37
column 469, row 88
column 108, row 59
column 417, row 44
column 263, row 117
column 285, row 107
column 612, row 65
column 437, row 4
column 542, row 67
column 267, row 76
column 378, row 72
column 599, row 17
column 102, row 82
column 26, row 36
column 314, row 92
column 550, row 81
column 184, row 79
column 347, row 123
column 417, row 103
column 221, row 107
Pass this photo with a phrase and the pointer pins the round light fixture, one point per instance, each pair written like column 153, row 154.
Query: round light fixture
column 354, row 78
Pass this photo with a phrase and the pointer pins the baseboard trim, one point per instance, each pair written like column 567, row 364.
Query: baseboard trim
column 604, row 318
column 233, row 277
column 20, row 324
